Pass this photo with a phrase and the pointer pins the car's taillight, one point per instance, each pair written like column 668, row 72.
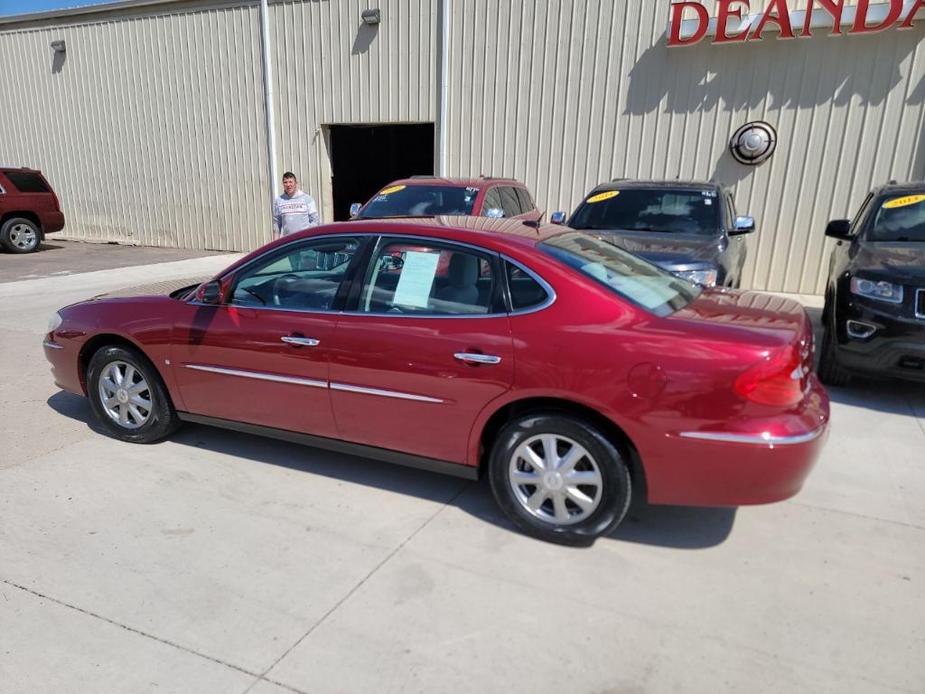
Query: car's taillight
column 777, row 381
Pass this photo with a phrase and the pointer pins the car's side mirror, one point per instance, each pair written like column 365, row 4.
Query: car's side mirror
column 495, row 213
column 743, row 225
column 211, row 292
column 355, row 209
column 557, row 217
column 839, row 229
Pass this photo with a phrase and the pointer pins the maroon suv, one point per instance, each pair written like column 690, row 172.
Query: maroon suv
column 29, row 209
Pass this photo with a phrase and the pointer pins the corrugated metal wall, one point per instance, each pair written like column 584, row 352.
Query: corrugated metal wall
column 330, row 68
column 151, row 129
column 564, row 95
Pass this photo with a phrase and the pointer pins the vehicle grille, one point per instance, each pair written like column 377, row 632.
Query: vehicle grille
column 920, row 303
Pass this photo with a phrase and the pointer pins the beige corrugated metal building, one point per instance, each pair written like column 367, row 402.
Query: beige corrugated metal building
column 153, row 128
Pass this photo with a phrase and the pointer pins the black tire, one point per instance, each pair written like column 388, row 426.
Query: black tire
column 20, row 235
column 161, row 419
column 830, row 372
column 613, row 494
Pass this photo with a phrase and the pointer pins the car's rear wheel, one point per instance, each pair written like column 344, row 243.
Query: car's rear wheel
column 20, row 235
column 128, row 397
column 830, row 372
column 559, row 479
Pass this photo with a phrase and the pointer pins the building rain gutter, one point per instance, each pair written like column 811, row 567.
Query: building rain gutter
column 443, row 88
column 268, row 94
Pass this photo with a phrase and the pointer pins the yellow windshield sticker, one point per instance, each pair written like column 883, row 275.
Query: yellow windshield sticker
column 600, row 197
column 904, row 201
column 391, row 189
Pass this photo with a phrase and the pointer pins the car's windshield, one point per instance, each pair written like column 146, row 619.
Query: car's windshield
column 899, row 218
column 420, row 201
column 626, row 274
column 651, row 209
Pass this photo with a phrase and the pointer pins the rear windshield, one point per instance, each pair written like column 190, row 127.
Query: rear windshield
column 420, row 201
column 900, row 218
column 651, row 209
column 27, row 182
column 626, row 274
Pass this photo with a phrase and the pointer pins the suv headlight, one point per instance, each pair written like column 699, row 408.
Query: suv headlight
column 54, row 322
column 705, row 277
column 877, row 289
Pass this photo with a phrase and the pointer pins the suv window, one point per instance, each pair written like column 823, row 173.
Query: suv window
column 26, row 182
column 418, row 277
column 526, row 292
column 681, row 211
column 526, row 202
column 414, row 200
column 304, row 277
column 492, row 201
column 510, row 203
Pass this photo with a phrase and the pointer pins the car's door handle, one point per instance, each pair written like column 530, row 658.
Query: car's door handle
column 473, row 358
column 299, row 341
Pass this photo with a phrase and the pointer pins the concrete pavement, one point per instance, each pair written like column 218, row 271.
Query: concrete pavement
column 221, row 562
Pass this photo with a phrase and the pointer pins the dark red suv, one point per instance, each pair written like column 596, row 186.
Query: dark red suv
column 29, row 209
column 429, row 196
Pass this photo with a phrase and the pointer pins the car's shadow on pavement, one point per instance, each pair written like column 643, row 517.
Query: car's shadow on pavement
column 664, row 526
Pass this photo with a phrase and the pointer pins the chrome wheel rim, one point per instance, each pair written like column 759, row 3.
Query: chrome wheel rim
column 23, row 237
column 555, row 479
column 125, row 395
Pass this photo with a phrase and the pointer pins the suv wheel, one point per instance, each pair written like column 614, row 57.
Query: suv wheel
column 830, row 372
column 559, row 479
column 20, row 235
column 128, row 397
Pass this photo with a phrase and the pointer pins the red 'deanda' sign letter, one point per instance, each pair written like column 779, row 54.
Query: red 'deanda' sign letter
column 677, row 16
column 695, row 14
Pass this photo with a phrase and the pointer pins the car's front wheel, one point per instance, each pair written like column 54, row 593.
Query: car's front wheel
column 20, row 235
column 830, row 371
column 128, row 397
column 559, row 479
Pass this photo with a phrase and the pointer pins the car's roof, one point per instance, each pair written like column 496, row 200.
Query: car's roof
column 4, row 167
column 894, row 188
column 627, row 183
column 484, row 231
column 447, row 181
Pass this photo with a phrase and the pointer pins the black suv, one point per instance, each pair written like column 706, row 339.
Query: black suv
column 688, row 228
column 874, row 316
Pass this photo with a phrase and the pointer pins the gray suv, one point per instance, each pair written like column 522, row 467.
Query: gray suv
column 688, row 228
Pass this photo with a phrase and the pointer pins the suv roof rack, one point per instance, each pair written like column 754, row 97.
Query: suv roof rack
column 423, row 176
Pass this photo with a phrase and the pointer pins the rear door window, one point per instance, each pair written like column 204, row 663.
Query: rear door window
column 423, row 278
column 510, row 203
column 26, row 182
column 526, row 202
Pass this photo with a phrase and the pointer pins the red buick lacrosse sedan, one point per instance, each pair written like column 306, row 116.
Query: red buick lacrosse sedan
column 571, row 372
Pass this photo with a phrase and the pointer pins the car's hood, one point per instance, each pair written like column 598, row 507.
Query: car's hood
column 165, row 288
column 783, row 320
column 898, row 261
column 667, row 249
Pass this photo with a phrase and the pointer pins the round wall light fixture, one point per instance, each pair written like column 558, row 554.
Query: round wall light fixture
column 753, row 143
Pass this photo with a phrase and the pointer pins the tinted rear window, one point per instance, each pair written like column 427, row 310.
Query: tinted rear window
column 651, row 209
column 27, row 182
column 625, row 274
column 420, row 201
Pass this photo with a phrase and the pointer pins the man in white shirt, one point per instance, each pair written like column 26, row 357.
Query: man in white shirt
column 294, row 210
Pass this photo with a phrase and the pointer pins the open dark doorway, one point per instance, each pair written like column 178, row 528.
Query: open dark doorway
column 366, row 157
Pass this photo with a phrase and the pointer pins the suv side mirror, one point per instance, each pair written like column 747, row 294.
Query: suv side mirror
column 211, row 292
column 557, row 217
column 839, row 229
column 355, row 209
column 743, row 225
